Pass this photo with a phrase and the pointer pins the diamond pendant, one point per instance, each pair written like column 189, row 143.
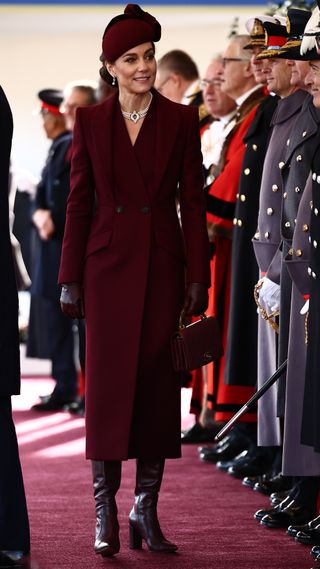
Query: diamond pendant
column 134, row 116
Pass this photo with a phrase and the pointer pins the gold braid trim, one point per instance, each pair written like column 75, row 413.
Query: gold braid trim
column 262, row 311
column 306, row 321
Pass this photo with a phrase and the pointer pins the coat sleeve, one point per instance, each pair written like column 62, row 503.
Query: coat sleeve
column 192, row 206
column 79, row 208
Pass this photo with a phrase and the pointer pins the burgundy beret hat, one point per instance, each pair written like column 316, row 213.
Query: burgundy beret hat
column 133, row 27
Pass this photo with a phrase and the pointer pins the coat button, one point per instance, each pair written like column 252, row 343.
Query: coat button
column 281, row 164
column 314, row 176
column 119, row 209
column 243, row 198
column 254, row 147
column 316, row 211
column 269, row 211
column 267, row 235
column 256, row 235
column 237, row 196
column 239, row 222
column 288, row 141
column 304, row 133
column 309, row 271
column 290, row 252
column 305, row 227
column 314, row 276
column 318, row 179
column 297, row 190
column 299, row 158
column 309, row 238
column 235, row 221
column 315, row 244
column 247, row 171
column 298, row 252
column 145, row 209
column 275, row 188
column 287, row 224
column 285, row 195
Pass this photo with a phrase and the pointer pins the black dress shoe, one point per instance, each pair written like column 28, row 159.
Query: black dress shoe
column 315, row 551
column 278, row 497
column 215, row 446
column 198, row 434
column 225, row 464
column 253, row 466
column 76, row 407
column 293, row 530
column 55, row 402
column 274, row 484
column 250, row 481
column 10, row 558
column 228, row 451
column 309, row 536
column 261, row 513
column 293, row 514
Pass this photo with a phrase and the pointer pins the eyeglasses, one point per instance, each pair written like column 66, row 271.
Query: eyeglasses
column 204, row 83
column 226, row 60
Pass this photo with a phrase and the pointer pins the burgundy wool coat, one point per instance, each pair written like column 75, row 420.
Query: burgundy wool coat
column 123, row 241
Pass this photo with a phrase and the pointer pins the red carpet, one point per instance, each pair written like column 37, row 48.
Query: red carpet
column 207, row 513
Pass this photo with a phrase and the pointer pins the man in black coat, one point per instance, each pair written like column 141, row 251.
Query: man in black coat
column 14, row 525
column 49, row 220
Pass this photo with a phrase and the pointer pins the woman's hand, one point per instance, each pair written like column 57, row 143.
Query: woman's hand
column 196, row 299
column 71, row 301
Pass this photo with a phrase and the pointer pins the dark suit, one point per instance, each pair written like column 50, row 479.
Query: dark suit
column 14, row 526
column 52, row 193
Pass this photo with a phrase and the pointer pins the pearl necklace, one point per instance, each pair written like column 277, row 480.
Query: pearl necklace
column 136, row 115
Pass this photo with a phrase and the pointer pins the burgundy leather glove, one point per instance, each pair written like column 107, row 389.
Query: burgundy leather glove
column 196, row 299
column 71, row 301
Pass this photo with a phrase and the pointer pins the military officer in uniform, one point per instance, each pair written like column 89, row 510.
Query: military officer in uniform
column 49, row 220
column 267, row 237
column 301, row 146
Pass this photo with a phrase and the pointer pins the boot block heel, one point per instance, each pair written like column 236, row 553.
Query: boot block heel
column 135, row 538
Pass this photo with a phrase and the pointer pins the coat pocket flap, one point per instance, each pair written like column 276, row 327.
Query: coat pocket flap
column 98, row 241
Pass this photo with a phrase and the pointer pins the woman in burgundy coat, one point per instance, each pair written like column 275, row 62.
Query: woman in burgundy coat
column 137, row 267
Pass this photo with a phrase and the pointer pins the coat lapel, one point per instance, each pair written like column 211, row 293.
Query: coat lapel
column 167, row 122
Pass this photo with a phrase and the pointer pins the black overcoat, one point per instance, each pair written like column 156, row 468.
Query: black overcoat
column 311, row 403
column 241, row 354
column 52, row 193
column 9, row 334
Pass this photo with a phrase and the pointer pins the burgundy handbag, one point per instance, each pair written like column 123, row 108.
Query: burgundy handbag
column 196, row 345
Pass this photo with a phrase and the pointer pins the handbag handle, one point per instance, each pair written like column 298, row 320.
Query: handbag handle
column 182, row 323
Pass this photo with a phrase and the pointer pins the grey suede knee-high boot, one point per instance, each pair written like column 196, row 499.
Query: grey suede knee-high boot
column 143, row 518
column 106, row 482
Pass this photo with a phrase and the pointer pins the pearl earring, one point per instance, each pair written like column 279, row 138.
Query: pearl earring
column 113, row 80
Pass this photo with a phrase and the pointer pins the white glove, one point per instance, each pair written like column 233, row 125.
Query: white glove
column 305, row 308
column 269, row 295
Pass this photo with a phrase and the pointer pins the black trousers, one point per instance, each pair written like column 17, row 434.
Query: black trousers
column 14, row 523
column 61, row 344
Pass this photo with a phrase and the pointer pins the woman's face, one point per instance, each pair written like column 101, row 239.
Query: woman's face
column 136, row 69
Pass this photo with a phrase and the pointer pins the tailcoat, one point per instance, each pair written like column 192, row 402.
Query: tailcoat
column 241, row 352
column 311, row 402
column 227, row 399
column 298, row 459
column 266, row 244
column 14, row 525
column 123, row 241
